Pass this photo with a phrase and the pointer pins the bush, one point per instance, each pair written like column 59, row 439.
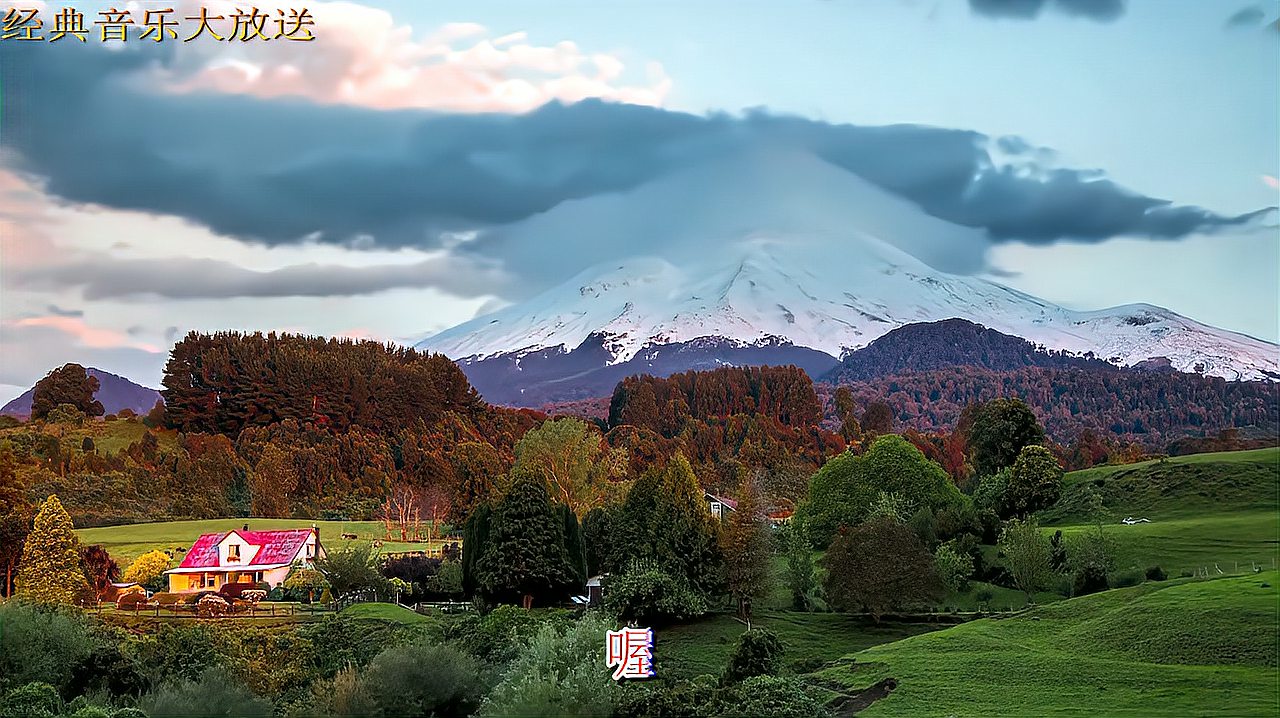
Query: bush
column 423, row 680
column 771, row 696
column 164, row 598
column 651, row 596
column 1126, row 579
column 668, row 699
column 758, row 653
column 132, row 601
column 40, row 645
column 128, row 713
column 91, row 711
column 496, row 637
column 36, row 700
column 1155, row 573
column 558, row 674
column 983, row 595
column 1088, row 579
column 215, row 695
column 212, row 606
column 954, row 567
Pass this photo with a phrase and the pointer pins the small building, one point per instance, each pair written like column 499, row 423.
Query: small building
column 595, row 591
column 719, row 506
column 244, row 556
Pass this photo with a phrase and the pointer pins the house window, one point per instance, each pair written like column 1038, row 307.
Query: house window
column 311, row 550
column 233, row 552
column 210, row 580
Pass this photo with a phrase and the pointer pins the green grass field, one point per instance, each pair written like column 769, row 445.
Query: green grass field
column 703, row 647
column 1189, row 647
column 126, row 543
column 108, row 436
column 388, row 612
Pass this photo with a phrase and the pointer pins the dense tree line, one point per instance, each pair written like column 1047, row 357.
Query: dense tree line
column 663, row 405
column 222, row 383
column 1153, row 408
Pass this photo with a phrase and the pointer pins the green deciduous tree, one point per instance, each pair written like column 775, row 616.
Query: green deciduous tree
column 801, row 577
column 878, row 566
column 578, row 466
column 846, row 488
column 1027, row 553
column 51, row 570
column 352, row 570
column 954, row 567
column 476, row 469
column 1034, row 483
column 1001, row 427
column 69, row 384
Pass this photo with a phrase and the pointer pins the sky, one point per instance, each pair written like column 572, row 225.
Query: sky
column 386, row 180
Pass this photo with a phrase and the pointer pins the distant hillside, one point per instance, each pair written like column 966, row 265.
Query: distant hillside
column 115, row 393
column 1152, row 407
column 950, row 343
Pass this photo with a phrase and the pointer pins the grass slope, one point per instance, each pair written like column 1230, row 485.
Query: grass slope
column 1205, row 510
column 1205, row 648
column 126, row 543
column 384, row 612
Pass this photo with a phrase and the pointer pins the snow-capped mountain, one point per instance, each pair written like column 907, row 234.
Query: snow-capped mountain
column 785, row 256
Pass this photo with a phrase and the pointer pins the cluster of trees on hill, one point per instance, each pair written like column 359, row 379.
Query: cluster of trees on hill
column 664, row 405
column 1153, row 408
column 222, row 383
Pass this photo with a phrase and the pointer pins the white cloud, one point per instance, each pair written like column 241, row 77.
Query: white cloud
column 362, row 57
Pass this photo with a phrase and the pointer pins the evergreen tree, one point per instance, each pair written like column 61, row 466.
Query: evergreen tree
column 475, row 541
column 69, row 384
column 525, row 556
column 15, row 519
column 51, row 571
column 575, row 548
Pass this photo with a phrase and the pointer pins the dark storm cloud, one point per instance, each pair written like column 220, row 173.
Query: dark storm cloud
column 103, row 278
column 280, row 172
column 1250, row 16
column 1099, row 10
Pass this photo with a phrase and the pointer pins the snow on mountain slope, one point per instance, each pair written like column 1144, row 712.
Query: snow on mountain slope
column 786, row 248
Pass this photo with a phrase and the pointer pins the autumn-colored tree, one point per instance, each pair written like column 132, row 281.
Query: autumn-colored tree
column 100, row 569
column 273, row 481
column 846, row 412
column 578, row 465
column 69, row 384
column 1000, row 429
column 148, row 570
column 877, row 419
column 51, row 570
column 878, row 566
column 745, row 543
column 15, row 518
column 476, row 469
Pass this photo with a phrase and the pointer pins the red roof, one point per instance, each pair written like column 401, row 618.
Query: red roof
column 277, row 547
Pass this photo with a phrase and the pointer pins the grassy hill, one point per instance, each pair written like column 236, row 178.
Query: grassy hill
column 126, row 543
column 1189, row 647
column 1205, row 510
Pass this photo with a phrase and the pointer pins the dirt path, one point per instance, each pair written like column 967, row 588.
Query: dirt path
column 850, row 704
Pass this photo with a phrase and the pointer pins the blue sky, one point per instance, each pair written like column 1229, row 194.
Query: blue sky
column 1167, row 99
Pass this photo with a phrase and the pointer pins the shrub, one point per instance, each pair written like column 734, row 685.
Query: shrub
column 1126, row 579
column 652, row 596
column 253, row 596
column 558, row 674
column 131, row 601
column 758, row 653
column 954, row 567
column 1088, row 579
column 35, row 700
column 91, row 711
column 212, row 606
column 1155, row 573
column 983, row 595
column 40, row 645
column 129, row 713
column 424, row 680
column 771, row 696
column 148, row 570
column 165, row 598
column 343, row 696
column 668, row 699
column 215, row 695
column 496, row 636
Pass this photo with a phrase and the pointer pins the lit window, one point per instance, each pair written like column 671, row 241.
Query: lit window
column 233, row 552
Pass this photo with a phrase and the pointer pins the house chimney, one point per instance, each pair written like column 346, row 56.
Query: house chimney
column 246, row 527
